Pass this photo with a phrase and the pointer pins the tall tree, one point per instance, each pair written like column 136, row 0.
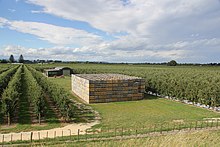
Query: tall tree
column 172, row 63
column 11, row 59
column 21, row 59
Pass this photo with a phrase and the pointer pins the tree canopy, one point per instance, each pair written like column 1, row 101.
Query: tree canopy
column 21, row 59
column 11, row 59
column 172, row 63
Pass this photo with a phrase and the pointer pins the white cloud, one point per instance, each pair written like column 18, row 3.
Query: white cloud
column 51, row 33
column 101, row 52
column 136, row 16
column 152, row 30
column 204, row 50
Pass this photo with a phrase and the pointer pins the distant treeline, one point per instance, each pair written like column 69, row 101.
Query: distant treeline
column 97, row 62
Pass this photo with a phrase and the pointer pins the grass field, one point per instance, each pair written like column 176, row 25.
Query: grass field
column 190, row 139
column 146, row 112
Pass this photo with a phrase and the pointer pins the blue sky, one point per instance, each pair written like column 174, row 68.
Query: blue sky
column 111, row 30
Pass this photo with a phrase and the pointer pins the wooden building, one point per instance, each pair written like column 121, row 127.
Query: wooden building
column 58, row 71
column 103, row 88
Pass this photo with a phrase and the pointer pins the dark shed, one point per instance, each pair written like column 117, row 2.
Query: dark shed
column 58, row 71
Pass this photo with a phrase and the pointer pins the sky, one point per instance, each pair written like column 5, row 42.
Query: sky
column 187, row 31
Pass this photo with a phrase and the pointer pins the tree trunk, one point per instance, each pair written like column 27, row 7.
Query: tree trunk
column 39, row 118
column 9, row 120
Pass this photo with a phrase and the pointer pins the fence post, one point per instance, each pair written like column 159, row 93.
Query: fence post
column 11, row 137
column 3, row 138
column 115, row 131
column 93, row 135
column 62, row 133
column 55, row 134
column 122, row 132
column 47, row 134
column 86, row 134
column 202, row 124
column 31, row 137
column 78, row 134
column 70, row 132
column 155, row 128
column 136, row 132
column 21, row 136
column 38, row 135
column 196, row 125
column 212, row 123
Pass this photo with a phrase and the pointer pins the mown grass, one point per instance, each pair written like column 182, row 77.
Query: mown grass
column 65, row 82
column 148, row 112
column 190, row 139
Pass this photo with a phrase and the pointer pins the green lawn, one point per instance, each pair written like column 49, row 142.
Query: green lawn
column 190, row 139
column 64, row 82
column 146, row 112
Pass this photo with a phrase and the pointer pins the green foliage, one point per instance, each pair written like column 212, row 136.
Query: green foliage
column 172, row 63
column 11, row 59
column 5, row 78
column 196, row 84
column 11, row 94
column 59, row 96
column 21, row 59
column 35, row 94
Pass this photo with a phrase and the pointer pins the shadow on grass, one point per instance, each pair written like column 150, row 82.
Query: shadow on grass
column 150, row 97
column 1, row 118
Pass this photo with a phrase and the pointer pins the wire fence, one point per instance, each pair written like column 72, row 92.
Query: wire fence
column 105, row 133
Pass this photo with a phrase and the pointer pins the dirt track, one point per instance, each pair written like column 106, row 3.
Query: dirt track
column 71, row 129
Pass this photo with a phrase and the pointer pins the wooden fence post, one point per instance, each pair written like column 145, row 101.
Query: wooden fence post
column 122, row 132
column 70, row 132
column 201, row 125
column 196, row 125
column 11, row 137
column 55, row 134
column 3, row 138
column 38, row 135
column 212, row 123
column 207, row 124
column 115, row 132
column 62, row 133
column 78, row 134
column 47, row 134
column 93, row 132
column 21, row 136
column 155, row 128
column 31, row 136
